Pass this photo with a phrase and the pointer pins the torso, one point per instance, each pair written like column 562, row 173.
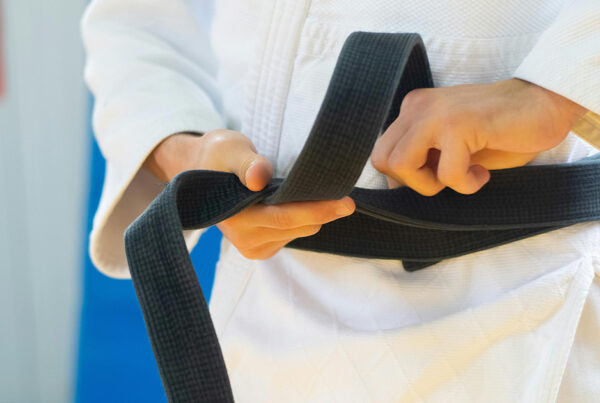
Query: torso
column 304, row 326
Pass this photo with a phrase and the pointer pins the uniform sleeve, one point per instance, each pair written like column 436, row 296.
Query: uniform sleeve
column 151, row 70
column 566, row 58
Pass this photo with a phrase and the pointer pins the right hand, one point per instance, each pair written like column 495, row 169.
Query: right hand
column 259, row 231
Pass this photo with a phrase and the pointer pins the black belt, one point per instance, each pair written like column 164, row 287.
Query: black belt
column 373, row 74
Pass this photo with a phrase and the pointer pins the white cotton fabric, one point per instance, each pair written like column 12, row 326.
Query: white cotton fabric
column 516, row 323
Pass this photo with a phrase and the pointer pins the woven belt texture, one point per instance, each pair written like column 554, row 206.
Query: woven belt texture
column 373, row 74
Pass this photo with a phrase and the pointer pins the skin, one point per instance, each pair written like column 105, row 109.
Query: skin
column 443, row 137
column 260, row 231
column 452, row 136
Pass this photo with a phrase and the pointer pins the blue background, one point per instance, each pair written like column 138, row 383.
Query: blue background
column 115, row 361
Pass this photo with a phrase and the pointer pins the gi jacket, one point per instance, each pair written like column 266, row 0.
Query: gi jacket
column 518, row 322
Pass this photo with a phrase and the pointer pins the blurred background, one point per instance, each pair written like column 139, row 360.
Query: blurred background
column 67, row 333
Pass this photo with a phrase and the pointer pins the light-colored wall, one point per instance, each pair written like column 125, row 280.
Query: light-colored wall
column 43, row 188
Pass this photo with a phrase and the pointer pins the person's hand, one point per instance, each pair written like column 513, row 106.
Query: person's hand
column 259, row 231
column 452, row 136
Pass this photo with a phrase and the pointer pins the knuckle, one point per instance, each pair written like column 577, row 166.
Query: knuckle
column 399, row 164
column 379, row 159
column 456, row 118
column 467, row 190
column 452, row 124
column 218, row 138
column 430, row 191
column 220, row 142
column 466, row 187
column 449, row 177
column 414, row 98
column 225, row 135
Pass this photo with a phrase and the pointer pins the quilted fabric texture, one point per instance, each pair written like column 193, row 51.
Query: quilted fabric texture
column 373, row 74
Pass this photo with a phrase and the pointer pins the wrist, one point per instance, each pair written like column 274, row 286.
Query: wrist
column 565, row 112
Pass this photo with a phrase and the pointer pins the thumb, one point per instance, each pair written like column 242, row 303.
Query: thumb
column 253, row 170
column 231, row 151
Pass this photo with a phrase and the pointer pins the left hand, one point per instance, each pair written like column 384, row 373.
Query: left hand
column 453, row 136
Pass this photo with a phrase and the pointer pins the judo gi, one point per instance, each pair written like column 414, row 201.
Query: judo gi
column 516, row 323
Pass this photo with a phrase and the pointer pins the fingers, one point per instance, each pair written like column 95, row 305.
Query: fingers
column 474, row 127
column 408, row 164
column 412, row 162
column 264, row 251
column 403, row 157
column 253, row 170
column 252, row 237
column 260, row 231
column 231, row 151
column 298, row 214
column 429, row 150
column 495, row 159
column 455, row 169
column 393, row 183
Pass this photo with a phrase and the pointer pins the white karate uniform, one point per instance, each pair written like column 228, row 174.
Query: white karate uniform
column 516, row 323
